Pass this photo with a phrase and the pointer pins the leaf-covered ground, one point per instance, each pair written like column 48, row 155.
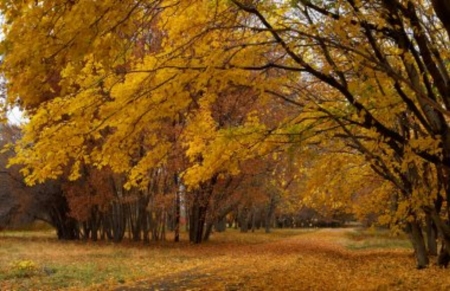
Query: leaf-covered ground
column 327, row 259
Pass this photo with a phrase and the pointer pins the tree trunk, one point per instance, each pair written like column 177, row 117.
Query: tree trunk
column 177, row 216
column 197, row 221
column 253, row 219
column 415, row 234
column 221, row 224
column 208, row 230
column 199, row 208
column 118, row 221
column 269, row 214
column 431, row 236
column 86, row 230
column 95, row 220
column 66, row 227
column 243, row 219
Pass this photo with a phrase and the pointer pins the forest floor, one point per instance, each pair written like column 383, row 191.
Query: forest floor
column 320, row 259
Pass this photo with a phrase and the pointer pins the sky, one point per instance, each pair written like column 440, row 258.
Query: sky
column 15, row 116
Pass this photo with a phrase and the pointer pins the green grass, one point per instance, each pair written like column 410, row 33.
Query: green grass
column 363, row 239
column 259, row 236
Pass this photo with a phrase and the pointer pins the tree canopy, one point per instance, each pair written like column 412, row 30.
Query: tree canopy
column 201, row 87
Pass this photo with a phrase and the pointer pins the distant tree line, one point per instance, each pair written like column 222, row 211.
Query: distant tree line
column 98, row 207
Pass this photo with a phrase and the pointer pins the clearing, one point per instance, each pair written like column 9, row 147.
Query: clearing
column 320, row 259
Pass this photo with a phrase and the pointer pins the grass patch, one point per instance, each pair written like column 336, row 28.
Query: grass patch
column 82, row 275
column 29, row 234
column 361, row 239
column 234, row 236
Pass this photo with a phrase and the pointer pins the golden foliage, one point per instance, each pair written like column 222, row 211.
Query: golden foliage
column 110, row 84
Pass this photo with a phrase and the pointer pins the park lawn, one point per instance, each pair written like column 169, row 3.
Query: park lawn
column 323, row 259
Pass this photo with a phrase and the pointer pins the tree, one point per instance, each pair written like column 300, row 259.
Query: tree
column 12, row 211
column 21, row 205
column 393, row 50
column 114, row 59
column 369, row 74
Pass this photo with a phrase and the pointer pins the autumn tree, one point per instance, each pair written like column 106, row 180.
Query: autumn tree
column 371, row 74
column 126, row 90
column 380, row 78
column 21, row 204
column 11, row 212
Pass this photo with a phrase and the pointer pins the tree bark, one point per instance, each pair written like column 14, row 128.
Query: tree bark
column 177, row 216
column 269, row 214
column 431, row 236
column 415, row 234
column 197, row 221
